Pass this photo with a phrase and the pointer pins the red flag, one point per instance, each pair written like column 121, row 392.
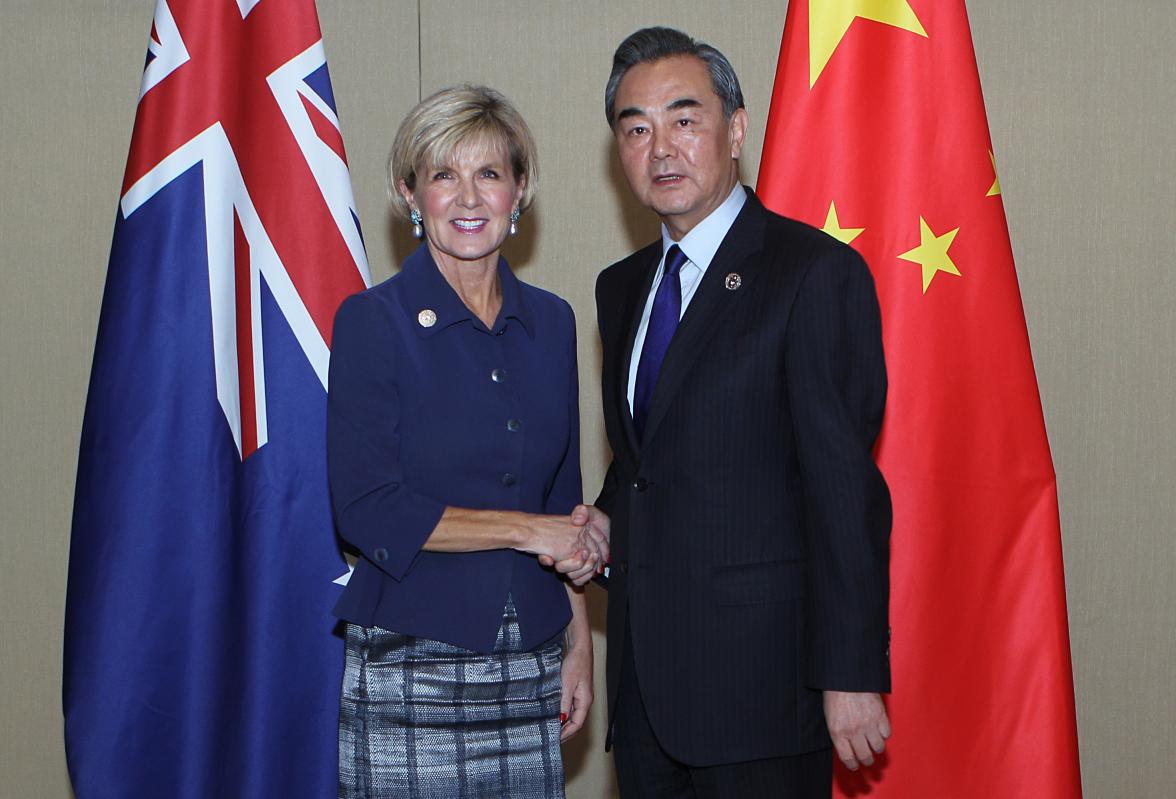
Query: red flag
column 877, row 134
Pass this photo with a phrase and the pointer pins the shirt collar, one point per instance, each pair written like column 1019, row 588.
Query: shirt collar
column 703, row 240
column 426, row 289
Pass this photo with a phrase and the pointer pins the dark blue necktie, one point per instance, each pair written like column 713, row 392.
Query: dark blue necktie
column 663, row 321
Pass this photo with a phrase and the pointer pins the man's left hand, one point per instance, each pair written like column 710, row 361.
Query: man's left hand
column 858, row 725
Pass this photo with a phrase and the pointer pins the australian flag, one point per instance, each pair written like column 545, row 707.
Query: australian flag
column 200, row 659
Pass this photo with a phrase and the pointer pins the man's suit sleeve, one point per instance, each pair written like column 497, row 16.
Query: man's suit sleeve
column 606, row 499
column 837, row 391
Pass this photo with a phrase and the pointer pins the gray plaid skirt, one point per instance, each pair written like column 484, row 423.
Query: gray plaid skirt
column 429, row 720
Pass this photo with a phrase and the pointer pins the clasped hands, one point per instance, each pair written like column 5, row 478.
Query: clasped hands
column 583, row 549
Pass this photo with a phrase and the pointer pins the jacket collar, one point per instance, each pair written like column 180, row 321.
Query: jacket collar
column 425, row 289
column 703, row 241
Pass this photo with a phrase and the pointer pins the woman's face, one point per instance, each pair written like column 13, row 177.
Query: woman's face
column 466, row 204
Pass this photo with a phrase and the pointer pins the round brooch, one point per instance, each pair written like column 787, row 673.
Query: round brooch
column 427, row 317
column 734, row 281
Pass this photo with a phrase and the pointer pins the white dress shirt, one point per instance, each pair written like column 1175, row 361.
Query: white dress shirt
column 699, row 246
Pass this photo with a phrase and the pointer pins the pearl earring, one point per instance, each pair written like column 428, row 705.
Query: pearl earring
column 514, row 222
column 414, row 216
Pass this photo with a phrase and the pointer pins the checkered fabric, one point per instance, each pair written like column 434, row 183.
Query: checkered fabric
column 428, row 720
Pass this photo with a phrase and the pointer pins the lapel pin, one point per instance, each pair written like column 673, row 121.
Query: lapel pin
column 428, row 317
column 733, row 281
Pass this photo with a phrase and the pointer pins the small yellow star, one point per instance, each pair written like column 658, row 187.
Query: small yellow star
column 829, row 20
column 931, row 254
column 995, row 189
column 833, row 227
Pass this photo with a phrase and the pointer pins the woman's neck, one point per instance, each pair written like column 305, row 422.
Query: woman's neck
column 476, row 283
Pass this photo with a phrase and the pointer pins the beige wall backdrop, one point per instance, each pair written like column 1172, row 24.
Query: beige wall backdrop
column 1081, row 100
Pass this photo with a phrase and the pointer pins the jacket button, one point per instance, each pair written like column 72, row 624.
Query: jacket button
column 514, row 425
column 498, row 375
column 623, row 566
column 508, row 479
column 380, row 555
column 640, row 484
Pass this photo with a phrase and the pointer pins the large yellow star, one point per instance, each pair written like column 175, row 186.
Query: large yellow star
column 830, row 19
column 931, row 254
column 833, row 227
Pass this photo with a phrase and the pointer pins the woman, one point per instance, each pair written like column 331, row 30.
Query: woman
column 453, row 448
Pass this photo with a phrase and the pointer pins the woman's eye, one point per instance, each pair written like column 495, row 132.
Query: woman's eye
column 441, row 175
column 490, row 173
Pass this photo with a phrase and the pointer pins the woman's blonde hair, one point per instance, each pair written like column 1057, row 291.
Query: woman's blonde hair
column 455, row 117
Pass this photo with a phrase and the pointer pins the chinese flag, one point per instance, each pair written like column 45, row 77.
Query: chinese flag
column 877, row 134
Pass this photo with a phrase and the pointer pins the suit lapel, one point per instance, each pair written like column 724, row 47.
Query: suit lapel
column 711, row 301
column 635, row 295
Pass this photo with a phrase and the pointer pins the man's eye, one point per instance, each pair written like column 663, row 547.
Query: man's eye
column 685, row 123
column 637, row 130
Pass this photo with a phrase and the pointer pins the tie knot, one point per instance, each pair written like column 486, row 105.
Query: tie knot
column 675, row 259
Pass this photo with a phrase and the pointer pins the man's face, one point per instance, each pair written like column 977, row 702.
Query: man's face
column 678, row 152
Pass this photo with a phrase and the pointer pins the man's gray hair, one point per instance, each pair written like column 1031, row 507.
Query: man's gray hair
column 653, row 44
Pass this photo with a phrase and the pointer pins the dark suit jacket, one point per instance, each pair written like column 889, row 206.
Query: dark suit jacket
column 750, row 527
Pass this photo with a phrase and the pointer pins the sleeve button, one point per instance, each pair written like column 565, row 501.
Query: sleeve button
column 380, row 555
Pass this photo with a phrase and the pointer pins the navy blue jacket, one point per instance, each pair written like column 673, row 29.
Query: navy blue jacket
column 422, row 416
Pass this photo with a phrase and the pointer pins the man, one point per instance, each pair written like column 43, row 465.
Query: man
column 743, row 387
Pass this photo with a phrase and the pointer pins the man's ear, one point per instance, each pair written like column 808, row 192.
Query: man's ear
column 737, row 131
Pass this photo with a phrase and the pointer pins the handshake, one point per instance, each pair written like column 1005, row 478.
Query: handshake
column 576, row 546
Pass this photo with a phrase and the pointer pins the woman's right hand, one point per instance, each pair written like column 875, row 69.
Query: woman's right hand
column 558, row 538
column 577, row 571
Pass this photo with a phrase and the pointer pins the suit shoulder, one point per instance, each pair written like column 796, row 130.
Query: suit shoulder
column 804, row 234
column 623, row 269
column 811, row 244
column 379, row 294
column 546, row 303
column 372, row 310
column 359, row 315
column 354, row 306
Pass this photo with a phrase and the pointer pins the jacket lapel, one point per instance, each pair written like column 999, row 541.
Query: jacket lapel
column 711, row 301
column 635, row 297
